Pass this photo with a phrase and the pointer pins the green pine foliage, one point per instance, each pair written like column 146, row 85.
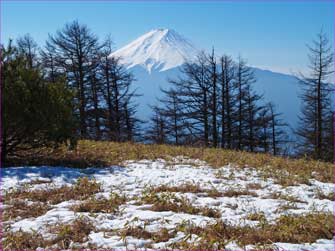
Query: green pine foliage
column 35, row 112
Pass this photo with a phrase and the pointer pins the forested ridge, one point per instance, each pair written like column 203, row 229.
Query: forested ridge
column 71, row 89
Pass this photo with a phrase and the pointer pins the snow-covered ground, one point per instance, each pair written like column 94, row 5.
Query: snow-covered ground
column 134, row 177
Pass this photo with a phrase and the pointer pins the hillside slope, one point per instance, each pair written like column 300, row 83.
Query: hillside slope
column 165, row 197
column 158, row 56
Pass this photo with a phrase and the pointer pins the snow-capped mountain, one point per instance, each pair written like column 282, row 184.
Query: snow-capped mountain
column 159, row 49
column 158, row 56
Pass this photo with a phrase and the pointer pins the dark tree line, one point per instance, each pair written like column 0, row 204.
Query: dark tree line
column 35, row 111
column 213, row 104
column 72, row 89
column 104, row 98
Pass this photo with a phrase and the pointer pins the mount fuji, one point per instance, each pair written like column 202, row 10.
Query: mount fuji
column 157, row 50
column 158, row 55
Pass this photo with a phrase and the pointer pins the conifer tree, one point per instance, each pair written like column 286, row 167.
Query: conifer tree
column 75, row 49
column 316, row 105
column 35, row 112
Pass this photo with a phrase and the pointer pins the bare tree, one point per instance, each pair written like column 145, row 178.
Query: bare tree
column 227, row 101
column 172, row 110
column 75, row 48
column 245, row 113
column 28, row 47
column 157, row 131
column 213, row 75
column 251, row 118
column 52, row 70
column 279, row 136
column 194, row 88
column 315, row 97
column 117, row 93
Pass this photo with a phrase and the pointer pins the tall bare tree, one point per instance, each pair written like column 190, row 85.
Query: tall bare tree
column 29, row 48
column 213, row 75
column 118, row 96
column 194, row 88
column 245, row 113
column 316, row 102
column 227, row 101
column 173, row 112
column 157, row 131
column 75, row 48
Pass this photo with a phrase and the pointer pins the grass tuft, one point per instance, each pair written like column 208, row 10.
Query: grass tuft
column 82, row 189
column 76, row 231
column 162, row 235
column 238, row 192
column 21, row 240
column 66, row 236
column 169, row 202
column 94, row 205
column 254, row 186
column 288, row 228
column 183, row 188
column 22, row 209
column 323, row 196
column 187, row 188
column 256, row 216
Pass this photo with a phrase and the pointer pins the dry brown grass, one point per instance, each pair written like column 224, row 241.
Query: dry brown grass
column 281, row 196
column 288, row 228
column 82, row 189
column 273, row 196
column 187, row 188
column 213, row 192
column 22, row 209
column 256, row 216
column 76, row 231
column 291, row 229
column 38, row 182
column 238, row 192
column 323, row 196
column 183, row 188
column 93, row 205
column 169, row 202
column 102, row 153
column 161, row 235
column 288, row 205
column 54, row 196
column 291, row 198
column 21, row 240
column 303, row 228
column 254, row 186
column 232, row 206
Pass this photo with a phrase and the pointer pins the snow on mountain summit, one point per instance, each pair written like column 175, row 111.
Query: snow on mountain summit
column 159, row 49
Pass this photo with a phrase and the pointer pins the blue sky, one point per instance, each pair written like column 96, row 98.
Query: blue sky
column 271, row 35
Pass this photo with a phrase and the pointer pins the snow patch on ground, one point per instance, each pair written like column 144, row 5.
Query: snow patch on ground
column 135, row 176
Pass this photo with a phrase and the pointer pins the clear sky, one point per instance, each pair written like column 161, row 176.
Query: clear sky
column 271, row 35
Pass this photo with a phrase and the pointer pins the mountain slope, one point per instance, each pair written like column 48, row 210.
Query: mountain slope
column 281, row 89
column 159, row 55
column 159, row 50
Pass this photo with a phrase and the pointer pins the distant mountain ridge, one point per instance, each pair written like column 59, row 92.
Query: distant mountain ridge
column 159, row 50
column 159, row 55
